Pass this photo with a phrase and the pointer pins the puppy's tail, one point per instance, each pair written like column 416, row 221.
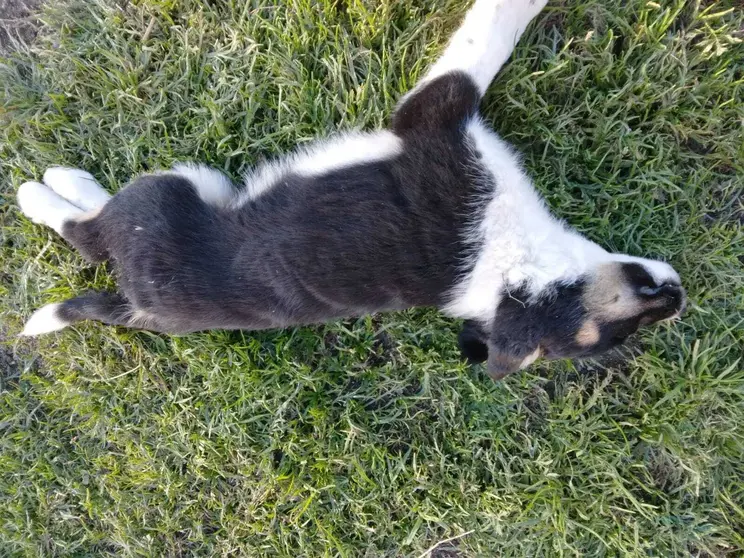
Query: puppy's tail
column 109, row 308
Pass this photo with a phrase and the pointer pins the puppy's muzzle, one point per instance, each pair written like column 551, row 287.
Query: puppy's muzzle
column 672, row 298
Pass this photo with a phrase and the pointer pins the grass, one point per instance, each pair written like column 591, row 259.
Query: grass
column 369, row 437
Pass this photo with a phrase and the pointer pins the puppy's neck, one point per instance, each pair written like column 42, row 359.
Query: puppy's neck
column 514, row 239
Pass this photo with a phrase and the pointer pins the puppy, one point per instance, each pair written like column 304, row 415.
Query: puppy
column 434, row 211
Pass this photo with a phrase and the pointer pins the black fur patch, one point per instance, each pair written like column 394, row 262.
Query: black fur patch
column 106, row 307
column 637, row 276
column 472, row 342
column 445, row 103
column 522, row 325
column 372, row 237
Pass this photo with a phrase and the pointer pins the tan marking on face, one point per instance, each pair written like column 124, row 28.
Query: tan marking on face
column 501, row 365
column 609, row 296
column 532, row 357
column 588, row 334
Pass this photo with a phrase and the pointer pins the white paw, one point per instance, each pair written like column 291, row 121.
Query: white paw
column 40, row 204
column 77, row 186
column 44, row 320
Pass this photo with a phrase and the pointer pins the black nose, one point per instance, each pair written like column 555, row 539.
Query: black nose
column 673, row 295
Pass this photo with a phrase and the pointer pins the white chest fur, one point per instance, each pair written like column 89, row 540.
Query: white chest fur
column 516, row 240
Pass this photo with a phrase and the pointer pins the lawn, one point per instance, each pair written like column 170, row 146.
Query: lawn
column 370, row 437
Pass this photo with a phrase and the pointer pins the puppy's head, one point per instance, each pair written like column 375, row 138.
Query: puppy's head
column 581, row 318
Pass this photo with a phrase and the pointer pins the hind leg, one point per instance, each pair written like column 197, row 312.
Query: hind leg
column 109, row 308
column 65, row 195
column 68, row 202
column 78, row 187
column 42, row 205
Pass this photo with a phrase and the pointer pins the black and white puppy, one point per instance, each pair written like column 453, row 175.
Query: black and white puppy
column 435, row 211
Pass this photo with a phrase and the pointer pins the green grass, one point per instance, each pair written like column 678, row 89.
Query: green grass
column 369, row 437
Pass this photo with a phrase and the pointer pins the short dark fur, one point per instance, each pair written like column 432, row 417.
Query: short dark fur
column 372, row 237
column 552, row 322
column 377, row 236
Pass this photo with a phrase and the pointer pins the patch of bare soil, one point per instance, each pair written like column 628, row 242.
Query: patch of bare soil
column 17, row 23
column 9, row 365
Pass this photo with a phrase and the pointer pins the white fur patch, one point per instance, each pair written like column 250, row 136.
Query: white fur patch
column 40, row 204
column 322, row 157
column 77, row 186
column 486, row 39
column 212, row 186
column 44, row 320
column 519, row 242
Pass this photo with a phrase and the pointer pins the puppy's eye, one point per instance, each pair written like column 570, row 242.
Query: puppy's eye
column 650, row 291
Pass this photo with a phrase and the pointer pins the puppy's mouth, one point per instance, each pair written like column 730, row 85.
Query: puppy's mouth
column 669, row 303
column 676, row 297
column 677, row 314
column 682, row 310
